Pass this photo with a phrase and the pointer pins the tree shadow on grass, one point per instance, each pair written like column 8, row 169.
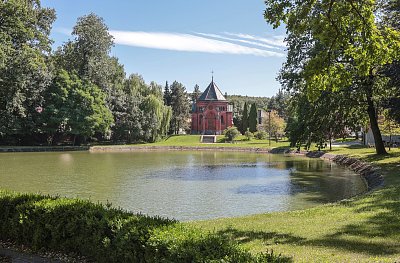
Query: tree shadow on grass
column 269, row 238
column 376, row 235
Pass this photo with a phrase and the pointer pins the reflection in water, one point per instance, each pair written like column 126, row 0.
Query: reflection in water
column 183, row 185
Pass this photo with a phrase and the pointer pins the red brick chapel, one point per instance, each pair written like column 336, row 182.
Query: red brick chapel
column 211, row 113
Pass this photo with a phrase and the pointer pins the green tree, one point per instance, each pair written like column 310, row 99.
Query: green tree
column 154, row 112
column 196, row 93
column 76, row 107
column 180, row 107
column 274, row 125
column 156, row 90
column 167, row 94
column 88, row 53
column 24, row 67
column 245, row 119
column 253, row 119
column 336, row 45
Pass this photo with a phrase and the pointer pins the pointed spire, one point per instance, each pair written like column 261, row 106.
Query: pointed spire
column 212, row 76
column 212, row 92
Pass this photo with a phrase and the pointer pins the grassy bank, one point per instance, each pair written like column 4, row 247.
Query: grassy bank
column 194, row 140
column 362, row 229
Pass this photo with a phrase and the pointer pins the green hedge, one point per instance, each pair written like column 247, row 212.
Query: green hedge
column 106, row 234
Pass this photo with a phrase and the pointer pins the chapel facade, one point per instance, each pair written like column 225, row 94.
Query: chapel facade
column 211, row 113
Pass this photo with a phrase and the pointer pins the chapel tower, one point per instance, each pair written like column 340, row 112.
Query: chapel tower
column 211, row 113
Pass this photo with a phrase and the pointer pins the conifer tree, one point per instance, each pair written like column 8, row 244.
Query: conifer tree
column 252, row 119
column 245, row 119
column 167, row 94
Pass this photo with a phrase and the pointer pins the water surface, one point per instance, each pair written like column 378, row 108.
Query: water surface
column 183, row 185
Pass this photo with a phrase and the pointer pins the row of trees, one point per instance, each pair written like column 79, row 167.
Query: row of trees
column 77, row 92
column 342, row 65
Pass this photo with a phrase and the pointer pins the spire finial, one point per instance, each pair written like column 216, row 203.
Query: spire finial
column 212, row 75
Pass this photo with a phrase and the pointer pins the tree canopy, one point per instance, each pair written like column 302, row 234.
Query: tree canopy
column 336, row 45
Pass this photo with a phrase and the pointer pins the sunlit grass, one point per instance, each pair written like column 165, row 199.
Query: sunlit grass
column 240, row 141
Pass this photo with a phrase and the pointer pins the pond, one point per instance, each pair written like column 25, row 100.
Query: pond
column 183, row 185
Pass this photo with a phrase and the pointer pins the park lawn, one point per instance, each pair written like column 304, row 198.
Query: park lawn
column 194, row 140
column 362, row 229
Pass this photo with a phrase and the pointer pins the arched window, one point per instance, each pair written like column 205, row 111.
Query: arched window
column 200, row 119
column 222, row 119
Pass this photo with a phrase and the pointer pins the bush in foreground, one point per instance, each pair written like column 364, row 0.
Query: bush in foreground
column 111, row 235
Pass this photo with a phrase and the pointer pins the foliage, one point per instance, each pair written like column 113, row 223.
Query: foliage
column 75, row 107
column 253, row 118
column 336, row 45
column 261, row 135
column 248, row 134
column 327, row 118
column 274, row 125
column 167, row 94
column 231, row 133
column 156, row 118
column 180, row 108
column 107, row 234
column 196, row 93
column 24, row 67
column 88, row 53
column 245, row 119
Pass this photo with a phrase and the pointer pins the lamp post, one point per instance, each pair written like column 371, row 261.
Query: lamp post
column 269, row 127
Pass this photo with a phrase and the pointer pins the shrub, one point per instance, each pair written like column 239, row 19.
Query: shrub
column 106, row 234
column 261, row 135
column 231, row 133
column 248, row 134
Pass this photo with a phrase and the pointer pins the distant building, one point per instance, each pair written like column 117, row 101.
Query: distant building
column 211, row 113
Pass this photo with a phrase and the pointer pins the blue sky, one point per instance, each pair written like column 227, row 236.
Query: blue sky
column 185, row 40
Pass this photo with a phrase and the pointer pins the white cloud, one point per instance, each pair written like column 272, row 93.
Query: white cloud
column 275, row 40
column 238, row 40
column 186, row 42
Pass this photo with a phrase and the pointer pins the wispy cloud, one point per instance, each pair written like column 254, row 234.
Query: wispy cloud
column 238, row 40
column 239, row 44
column 274, row 40
column 186, row 42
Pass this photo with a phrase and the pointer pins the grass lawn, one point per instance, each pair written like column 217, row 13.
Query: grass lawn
column 194, row 140
column 362, row 229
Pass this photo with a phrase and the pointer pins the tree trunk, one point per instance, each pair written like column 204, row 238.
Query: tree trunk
column 379, row 146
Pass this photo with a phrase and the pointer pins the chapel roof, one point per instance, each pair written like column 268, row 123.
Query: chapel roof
column 212, row 93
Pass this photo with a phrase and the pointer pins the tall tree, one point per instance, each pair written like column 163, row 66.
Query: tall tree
column 88, row 55
column 274, row 125
column 76, row 107
column 253, row 118
column 335, row 45
column 196, row 93
column 167, row 94
column 24, row 69
column 245, row 119
column 180, row 107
